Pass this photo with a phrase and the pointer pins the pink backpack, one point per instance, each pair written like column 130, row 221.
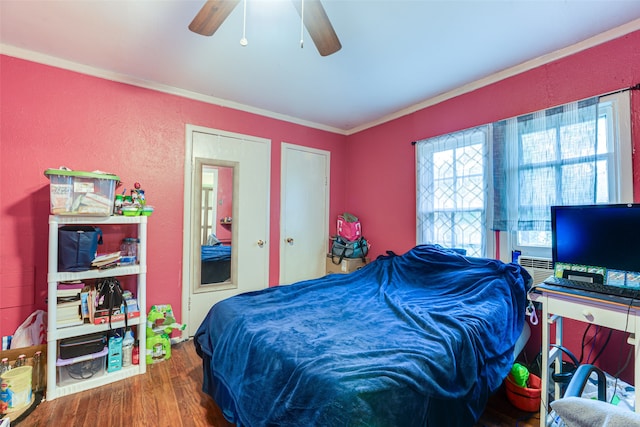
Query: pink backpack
column 349, row 227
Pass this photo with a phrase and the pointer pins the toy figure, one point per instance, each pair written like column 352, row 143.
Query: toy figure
column 137, row 194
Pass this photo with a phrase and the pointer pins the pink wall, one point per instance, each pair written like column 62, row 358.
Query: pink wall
column 385, row 150
column 225, row 203
column 52, row 117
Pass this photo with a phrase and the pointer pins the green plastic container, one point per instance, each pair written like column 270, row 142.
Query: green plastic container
column 158, row 348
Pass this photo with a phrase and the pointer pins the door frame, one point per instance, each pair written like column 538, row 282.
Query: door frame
column 284, row 148
column 187, row 252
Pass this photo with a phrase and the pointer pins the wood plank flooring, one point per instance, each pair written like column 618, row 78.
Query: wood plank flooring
column 170, row 395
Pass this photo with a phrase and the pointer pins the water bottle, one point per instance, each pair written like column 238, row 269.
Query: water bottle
column 37, row 367
column 4, row 366
column 127, row 348
column 136, row 353
column 20, row 361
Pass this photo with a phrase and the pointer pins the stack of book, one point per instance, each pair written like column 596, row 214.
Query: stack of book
column 68, row 308
column 106, row 261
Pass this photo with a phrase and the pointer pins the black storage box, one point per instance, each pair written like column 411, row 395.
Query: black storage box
column 82, row 345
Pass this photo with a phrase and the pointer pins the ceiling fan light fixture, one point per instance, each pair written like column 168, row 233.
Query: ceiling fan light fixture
column 317, row 23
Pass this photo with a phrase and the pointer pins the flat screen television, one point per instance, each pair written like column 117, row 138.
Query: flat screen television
column 597, row 235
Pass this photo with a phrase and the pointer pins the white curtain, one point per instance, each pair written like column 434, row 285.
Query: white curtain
column 452, row 190
column 551, row 157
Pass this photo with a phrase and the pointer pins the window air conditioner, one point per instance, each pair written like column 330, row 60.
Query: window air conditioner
column 538, row 268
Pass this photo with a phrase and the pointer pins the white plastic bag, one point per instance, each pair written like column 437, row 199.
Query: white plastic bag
column 33, row 331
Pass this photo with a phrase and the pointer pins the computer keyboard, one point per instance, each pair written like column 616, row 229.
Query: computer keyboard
column 594, row 287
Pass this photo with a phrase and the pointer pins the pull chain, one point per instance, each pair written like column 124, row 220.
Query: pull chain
column 302, row 25
column 243, row 40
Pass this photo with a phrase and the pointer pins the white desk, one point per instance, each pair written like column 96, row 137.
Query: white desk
column 559, row 305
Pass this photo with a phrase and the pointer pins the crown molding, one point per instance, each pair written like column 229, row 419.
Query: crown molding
column 612, row 34
column 509, row 72
column 52, row 61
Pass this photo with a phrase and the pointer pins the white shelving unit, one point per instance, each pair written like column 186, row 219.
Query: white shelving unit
column 54, row 334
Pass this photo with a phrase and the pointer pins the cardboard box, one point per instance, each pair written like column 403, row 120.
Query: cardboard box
column 347, row 265
column 81, row 193
column 37, row 382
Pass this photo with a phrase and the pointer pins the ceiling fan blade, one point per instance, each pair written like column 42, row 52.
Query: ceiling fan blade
column 211, row 16
column 319, row 27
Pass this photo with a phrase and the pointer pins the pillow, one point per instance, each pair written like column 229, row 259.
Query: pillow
column 212, row 240
column 580, row 412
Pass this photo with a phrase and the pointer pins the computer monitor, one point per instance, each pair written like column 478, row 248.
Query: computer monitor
column 597, row 235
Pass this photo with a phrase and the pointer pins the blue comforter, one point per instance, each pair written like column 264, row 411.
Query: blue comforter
column 412, row 340
column 215, row 253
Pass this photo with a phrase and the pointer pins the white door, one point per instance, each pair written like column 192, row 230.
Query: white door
column 250, row 158
column 304, row 220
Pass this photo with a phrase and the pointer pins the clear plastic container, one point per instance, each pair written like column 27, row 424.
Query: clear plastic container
column 81, row 193
column 129, row 251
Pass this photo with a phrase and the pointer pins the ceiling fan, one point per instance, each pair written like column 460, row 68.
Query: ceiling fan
column 313, row 15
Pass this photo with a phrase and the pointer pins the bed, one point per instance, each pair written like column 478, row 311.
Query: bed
column 215, row 264
column 413, row 340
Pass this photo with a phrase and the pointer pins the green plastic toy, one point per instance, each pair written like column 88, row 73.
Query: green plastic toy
column 520, row 374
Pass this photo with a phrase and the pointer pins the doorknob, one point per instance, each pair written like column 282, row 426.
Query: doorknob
column 261, row 243
column 289, row 240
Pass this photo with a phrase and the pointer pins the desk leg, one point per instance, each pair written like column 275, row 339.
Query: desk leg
column 544, row 369
column 636, row 371
column 557, row 356
column 549, row 356
column 633, row 339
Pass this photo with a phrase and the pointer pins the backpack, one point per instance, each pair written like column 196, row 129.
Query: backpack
column 342, row 249
column 349, row 227
column 110, row 297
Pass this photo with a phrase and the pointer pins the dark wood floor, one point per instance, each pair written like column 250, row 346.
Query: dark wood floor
column 169, row 395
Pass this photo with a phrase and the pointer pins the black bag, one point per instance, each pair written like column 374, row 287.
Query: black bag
column 77, row 247
column 342, row 248
column 82, row 345
column 110, row 297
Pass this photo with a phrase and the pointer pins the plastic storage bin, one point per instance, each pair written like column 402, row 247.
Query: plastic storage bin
column 82, row 368
column 81, row 193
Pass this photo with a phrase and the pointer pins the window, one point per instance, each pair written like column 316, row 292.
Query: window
column 570, row 155
column 452, row 190
column 579, row 153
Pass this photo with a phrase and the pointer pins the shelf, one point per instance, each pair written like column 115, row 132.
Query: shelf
column 97, row 220
column 55, row 334
column 107, row 378
column 88, row 328
column 127, row 270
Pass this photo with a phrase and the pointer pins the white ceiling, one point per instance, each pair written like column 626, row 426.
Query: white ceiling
column 396, row 54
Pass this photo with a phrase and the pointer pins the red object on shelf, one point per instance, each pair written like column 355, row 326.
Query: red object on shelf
column 115, row 318
column 135, row 355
